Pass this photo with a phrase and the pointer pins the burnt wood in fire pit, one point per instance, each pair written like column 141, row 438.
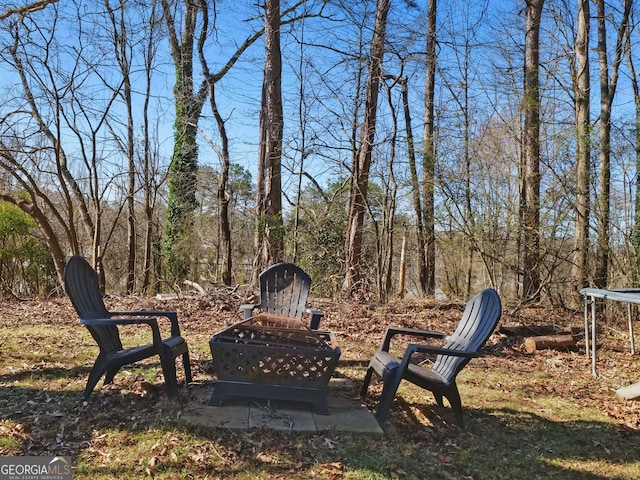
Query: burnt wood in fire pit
column 273, row 357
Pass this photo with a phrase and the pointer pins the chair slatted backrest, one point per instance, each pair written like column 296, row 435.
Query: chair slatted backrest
column 82, row 286
column 478, row 321
column 284, row 288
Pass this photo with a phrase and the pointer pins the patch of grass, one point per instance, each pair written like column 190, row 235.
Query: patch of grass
column 11, row 437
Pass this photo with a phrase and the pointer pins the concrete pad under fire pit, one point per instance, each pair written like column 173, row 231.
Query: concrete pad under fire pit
column 346, row 413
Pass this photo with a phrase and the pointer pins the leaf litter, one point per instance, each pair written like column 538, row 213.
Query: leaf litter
column 41, row 412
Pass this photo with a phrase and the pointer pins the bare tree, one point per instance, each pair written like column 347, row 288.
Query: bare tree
column 635, row 232
column 362, row 164
column 150, row 178
column 188, row 99
column 210, row 79
column 415, row 186
column 26, row 9
column 459, row 81
column 582, row 92
column 36, row 158
column 270, row 230
column 303, row 101
column 530, row 198
column 223, row 194
column 385, row 236
column 608, row 86
column 122, row 54
column 427, row 277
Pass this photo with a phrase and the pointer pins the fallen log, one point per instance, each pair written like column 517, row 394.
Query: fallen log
column 195, row 285
column 629, row 392
column 563, row 340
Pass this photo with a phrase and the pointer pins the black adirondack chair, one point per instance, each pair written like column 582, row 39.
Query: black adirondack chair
column 284, row 288
column 82, row 286
column 479, row 319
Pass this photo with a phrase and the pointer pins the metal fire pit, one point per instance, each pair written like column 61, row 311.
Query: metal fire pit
column 273, row 357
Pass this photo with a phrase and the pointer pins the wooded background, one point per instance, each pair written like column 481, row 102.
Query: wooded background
column 468, row 144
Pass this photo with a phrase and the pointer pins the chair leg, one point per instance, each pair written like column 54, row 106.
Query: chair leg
column 315, row 322
column 456, row 405
column 389, row 389
column 438, row 397
column 365, row 383
column 111, row 373
column 94, row 378
column 168, row 361
column 171, row 383
column 187, row 367
column 99, row 368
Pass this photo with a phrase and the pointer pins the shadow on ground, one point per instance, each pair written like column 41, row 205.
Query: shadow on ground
column 418, row 439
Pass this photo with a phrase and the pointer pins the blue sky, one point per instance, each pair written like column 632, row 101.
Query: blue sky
column 330, row 78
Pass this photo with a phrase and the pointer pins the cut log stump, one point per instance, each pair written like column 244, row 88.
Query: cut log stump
column 629, row 392
column 563, row 340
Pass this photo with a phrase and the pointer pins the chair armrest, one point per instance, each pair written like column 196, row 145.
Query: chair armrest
column 170, row 314
column 247, row 309
column 390, row 332
column 316, row 316
column 118, row 321
column 151, row 321
column 414, row 347
column 441, row 351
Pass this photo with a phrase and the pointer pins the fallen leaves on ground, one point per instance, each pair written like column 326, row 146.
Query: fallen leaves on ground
column 42, row 377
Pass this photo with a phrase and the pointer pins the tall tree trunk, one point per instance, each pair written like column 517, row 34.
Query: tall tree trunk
column 360, row 175
column 459, row 87
column 147, row 162
column 270, row 229
column 121, row 52
column 184, row 161
column 531, row 155
column 604, row 173
column 132, row 244
column 428, row 282
column 635, row 233
column 468, row 209
column 224, row 196
column 386, row 237
column 131, row 186
column 583, row 147
column 302, row 120
column 607, row 94
column 415, row 188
